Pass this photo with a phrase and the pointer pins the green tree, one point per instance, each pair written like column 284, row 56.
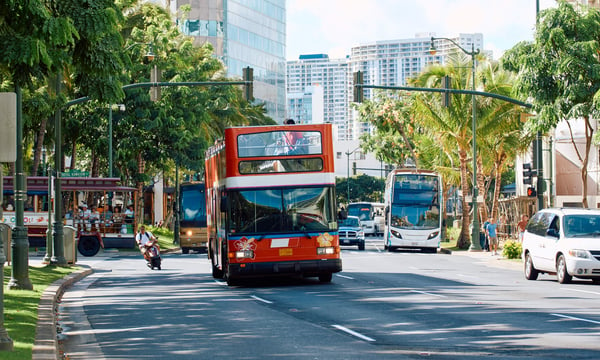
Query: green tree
column 502, row 134
column 449, row 127
column 362, row 188
column 394, row 138
column 560, row 73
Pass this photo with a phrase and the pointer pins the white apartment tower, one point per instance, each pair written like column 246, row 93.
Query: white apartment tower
column 383, row 63
column 332, row 77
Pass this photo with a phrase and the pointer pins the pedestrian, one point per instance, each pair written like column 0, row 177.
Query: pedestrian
column 521, row 225
column 342, row 215
column 491, row 232
column 486, row 242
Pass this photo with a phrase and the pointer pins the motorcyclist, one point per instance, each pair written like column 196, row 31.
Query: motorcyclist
column 142, row 238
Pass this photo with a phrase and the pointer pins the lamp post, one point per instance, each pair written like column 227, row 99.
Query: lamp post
column 348, row 153
column 475, row 246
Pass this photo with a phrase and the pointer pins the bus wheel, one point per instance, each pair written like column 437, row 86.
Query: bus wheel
column 216, row 272
column 325, row 278
column 185, row 250
column 230, row 281
column 88, row 245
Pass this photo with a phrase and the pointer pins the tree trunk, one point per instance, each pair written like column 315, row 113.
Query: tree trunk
column 483, row 209
column 37, row 154
column 463, row 241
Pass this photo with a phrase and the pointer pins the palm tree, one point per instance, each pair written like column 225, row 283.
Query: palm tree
column 450, row 126
column 501, row 131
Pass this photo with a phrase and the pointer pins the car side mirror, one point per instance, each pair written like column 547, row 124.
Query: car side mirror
column 552, row 232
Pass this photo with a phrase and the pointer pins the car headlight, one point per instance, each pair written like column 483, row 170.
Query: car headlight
column 578, row 253
column 361, row 234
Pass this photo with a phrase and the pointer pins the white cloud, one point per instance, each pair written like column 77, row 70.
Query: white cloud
column 334, row 26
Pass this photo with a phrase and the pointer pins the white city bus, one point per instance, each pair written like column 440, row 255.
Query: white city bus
column 413, row 216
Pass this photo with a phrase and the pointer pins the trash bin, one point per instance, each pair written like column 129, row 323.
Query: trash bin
column 70, row 244
column 6, row 234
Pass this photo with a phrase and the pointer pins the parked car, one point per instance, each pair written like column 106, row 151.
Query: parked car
column 351, row 232
column 565, row 242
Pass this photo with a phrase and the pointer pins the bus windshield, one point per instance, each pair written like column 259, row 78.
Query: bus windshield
column 415, row 202
column 361, row 211
column 282, row 210
column 193, row 206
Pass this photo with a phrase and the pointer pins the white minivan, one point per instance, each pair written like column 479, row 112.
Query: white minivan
column 565, row 242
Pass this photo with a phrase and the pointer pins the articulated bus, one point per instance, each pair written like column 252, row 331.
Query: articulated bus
column 271, row 203
column 370, row 215
column 98, row 225
column 192, row 218
column 412, row 210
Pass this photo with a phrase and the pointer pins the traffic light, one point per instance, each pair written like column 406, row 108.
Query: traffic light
column 358, row 90
column 528, row 174
column 446, row 83
column 354, row 168
column 531, row 192
column 248, row 74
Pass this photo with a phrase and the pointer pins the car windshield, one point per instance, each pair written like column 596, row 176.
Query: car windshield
column 582, row 225
column 349, row 222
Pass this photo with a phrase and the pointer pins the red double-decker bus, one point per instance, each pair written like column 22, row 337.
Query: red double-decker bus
column 271, row 206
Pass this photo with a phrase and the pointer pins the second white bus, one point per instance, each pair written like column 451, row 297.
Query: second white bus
column 413, row 215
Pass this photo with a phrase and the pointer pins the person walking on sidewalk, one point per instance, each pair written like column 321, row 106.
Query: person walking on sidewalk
column 491, row 231
column 521, row 225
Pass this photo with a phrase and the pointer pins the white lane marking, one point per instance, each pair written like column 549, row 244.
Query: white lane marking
column 261, row 299
column 351, row 332
column 344, row 276
column 427, row 293
column 583, row 291
column 576, row 318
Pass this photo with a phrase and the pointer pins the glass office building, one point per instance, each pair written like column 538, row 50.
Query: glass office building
column 244, row 33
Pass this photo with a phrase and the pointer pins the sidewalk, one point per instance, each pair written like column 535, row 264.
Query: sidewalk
column 488, row 258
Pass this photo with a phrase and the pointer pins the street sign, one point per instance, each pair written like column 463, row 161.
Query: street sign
column 75, row 173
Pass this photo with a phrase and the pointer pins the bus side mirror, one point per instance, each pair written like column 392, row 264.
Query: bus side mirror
column 387, row 212
column 223, row 203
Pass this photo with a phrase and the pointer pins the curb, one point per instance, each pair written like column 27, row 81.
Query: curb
column 46, row 341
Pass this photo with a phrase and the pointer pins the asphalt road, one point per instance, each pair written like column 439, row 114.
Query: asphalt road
column 400, row 305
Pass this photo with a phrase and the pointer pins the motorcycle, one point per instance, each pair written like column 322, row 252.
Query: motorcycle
column 152, row 254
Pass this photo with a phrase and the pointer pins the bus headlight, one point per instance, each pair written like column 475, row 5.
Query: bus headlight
column 246, row 254
column 433, row 234
column 326, row 250
column 189, row 233
column 396, row 234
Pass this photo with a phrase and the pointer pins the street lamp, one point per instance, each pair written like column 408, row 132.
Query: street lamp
column 348, row 153
column 475, row 246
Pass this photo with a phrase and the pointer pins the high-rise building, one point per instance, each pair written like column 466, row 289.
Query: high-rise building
column 330, row 75
column 306, row 107
column 383, row 63
column 243, row 33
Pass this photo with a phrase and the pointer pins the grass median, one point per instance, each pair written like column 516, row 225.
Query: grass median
column 21, row 308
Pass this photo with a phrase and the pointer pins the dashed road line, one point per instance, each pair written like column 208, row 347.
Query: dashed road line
column 352, row 332
column 261, row 299
column 576, row 318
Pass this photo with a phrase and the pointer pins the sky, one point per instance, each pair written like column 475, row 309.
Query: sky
column 333, row 26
